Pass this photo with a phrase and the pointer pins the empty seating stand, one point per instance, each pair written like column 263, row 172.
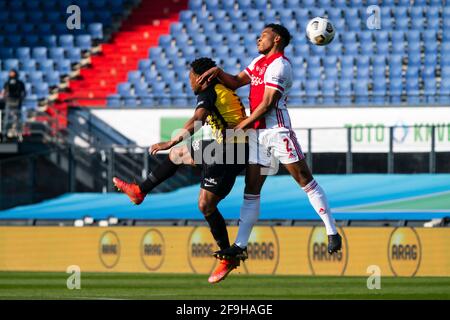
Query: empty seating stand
column 35, row 39
column 404, row 62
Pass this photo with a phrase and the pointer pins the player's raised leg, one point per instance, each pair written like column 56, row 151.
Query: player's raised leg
column 163, row 171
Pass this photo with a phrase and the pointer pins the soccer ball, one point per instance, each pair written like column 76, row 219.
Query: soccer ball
column 320, row 31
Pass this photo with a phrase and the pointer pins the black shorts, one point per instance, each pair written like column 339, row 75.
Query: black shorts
column 220, row 163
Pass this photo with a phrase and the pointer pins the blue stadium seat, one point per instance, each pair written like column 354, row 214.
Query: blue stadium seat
column 401, row 23
column 344, row 92
column 351, row 49
column 150, row 76
column 63, row 66
column 36, row 77
column 197, row 39
column 202, row 16
column 209, row 29
column 361, row 92
column 312, row 91
column 46, row 65
column 124, row 89
column 225, row 27
column 113, row 101
column 397, row 36
column 433, row 24
column 9, row 64
column 182, row 39
column 329, row 92
column 66, row 41
column 416, row 12
column 141, row 89
column 197, row 4
column 29, row 65
column 53, row 78
column 228, row 5
column 261, row 4
column 335, row 49
column 165, row 41
column 56, row 53
column 41, row 90
column 134, row 76
column 48, row 41
column 235, row 16
column 186, row 16
column 74, row 55
column 413, row 36
column 395, row 90
column 171, row 53
column 417, row 24
column 379, row 91
column 23, row 53
column 156, row 53
column 430, row 91
column 148, row 101
column 84, row 41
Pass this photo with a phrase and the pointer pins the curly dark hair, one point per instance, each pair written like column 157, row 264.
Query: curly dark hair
column 281, row 31
column 200, row 65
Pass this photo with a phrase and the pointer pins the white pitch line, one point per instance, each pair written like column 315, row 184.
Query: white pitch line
column 390, row 201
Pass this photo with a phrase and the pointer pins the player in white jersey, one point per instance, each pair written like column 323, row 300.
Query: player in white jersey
column 270, row 79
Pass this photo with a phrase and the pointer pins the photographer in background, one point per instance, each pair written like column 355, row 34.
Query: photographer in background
column 13, row 94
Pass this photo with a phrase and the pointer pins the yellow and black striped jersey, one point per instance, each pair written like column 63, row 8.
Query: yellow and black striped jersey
column 225, row 107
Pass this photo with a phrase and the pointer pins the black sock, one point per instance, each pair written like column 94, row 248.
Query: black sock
column 218, row 229
column 160, row 173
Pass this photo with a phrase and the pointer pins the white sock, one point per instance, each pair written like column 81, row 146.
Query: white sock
column 319, row 202
column 248, row 218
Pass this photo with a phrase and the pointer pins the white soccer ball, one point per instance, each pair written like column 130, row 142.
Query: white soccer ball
column 320, row 31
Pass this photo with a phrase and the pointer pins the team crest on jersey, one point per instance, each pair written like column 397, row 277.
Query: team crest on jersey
column 260, row 70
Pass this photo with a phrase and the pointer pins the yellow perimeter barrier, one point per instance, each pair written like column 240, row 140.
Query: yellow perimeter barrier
column 272, row 250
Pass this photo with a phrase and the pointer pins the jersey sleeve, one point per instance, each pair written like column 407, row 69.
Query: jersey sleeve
column 278, row 76
column 251, row 66
column 206, row 100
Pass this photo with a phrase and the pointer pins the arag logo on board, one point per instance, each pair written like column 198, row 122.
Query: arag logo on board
column 201, row 245
column 263, row 251
column 404, row 252
column 152, row 249
column 109, row 249
column 320, row 261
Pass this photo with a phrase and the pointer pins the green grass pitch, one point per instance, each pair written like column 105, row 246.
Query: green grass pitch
column 46, row 285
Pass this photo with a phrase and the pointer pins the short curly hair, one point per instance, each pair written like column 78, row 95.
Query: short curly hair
column 200, row 65
column 281, row 31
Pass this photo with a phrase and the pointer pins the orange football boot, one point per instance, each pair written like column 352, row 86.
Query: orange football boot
column 132, row 190
column 223, row 269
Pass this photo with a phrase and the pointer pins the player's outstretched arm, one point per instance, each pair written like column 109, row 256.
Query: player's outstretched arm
column 270, row 100
column 189, row 128
column 232, row 82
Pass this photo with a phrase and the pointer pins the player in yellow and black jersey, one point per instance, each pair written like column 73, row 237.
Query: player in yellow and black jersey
column 222, row 158
column 225, row 108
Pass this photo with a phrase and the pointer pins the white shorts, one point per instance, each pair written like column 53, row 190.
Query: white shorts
column 279, row 143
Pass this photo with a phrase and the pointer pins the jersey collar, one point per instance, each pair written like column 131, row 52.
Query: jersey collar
column 272, row 57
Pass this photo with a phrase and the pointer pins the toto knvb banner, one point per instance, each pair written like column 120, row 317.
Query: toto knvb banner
column 403, row 251
column 412, row 127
